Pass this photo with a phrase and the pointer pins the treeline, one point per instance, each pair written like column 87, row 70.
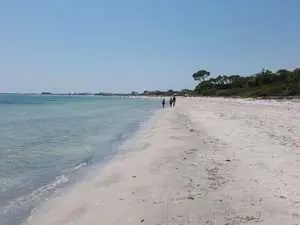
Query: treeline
column 184, row 92
column 266, row 83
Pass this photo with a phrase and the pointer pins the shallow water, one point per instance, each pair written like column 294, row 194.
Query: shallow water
column 46, row 140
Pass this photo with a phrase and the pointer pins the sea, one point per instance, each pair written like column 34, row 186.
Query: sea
column 48, row 142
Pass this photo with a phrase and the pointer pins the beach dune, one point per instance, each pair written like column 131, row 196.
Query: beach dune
column 206, row 161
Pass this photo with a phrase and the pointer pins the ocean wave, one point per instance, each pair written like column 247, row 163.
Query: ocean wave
column 35, row 196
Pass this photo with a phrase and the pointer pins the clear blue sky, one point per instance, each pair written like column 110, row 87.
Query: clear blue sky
column 94, row 45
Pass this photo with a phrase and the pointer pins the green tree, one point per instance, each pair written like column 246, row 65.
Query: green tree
column 201, row 75
column 265, row 83
column 284, row 75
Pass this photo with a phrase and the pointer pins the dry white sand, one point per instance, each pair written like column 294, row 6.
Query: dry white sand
column 208, row 161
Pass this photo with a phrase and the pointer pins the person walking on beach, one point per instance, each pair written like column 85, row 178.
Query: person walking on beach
column 174, row 100
column 171, row 102
column 163, row 102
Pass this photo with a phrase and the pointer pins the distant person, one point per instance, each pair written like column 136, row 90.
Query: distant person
column 163, row 102
column 174, row 100
column 171, row 101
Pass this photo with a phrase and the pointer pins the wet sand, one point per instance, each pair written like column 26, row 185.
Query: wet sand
column 206, row 161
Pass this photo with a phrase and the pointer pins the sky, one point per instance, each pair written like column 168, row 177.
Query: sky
column 121, row 46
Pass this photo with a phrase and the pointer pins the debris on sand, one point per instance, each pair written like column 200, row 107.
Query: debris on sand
column 190, row 197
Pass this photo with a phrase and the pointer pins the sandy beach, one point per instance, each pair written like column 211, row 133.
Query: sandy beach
column 207, row 161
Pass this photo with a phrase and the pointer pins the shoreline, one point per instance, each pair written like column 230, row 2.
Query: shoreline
column 206, row 161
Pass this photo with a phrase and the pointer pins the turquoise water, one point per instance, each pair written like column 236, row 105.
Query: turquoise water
column 46, row 140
